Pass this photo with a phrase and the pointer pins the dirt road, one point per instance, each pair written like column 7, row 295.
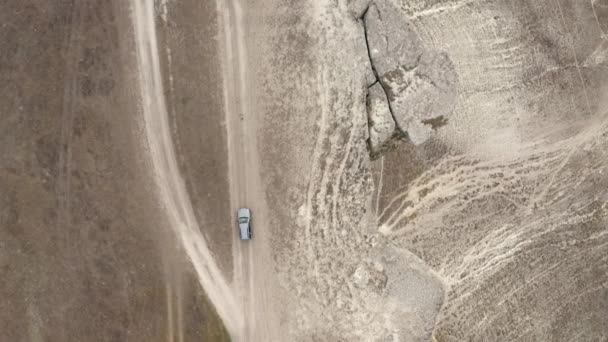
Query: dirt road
column 170, row 186
column 247, row 306
column 254, row 276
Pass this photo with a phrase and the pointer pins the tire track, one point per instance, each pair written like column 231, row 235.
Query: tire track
column 67, row 116
column 170, row 185
column 254, row 274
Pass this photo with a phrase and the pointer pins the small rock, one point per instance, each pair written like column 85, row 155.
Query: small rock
column 361, row 276
column 370, row 276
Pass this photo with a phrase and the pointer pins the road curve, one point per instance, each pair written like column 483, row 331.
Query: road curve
column 170, row 185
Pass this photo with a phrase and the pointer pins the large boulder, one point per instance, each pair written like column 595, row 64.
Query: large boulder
column 423, row 95
column 421, row 84
column 392, row 41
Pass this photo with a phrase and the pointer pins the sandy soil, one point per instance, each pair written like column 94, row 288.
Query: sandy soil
column 170, row 185
column 254, row 271
column 247, row 302
column 85, row 253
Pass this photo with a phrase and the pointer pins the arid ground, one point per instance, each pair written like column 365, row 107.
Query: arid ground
column 418, row 170
column 86, row 253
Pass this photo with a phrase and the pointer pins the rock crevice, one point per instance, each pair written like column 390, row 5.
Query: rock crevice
column 374, row 71
column 419, row 84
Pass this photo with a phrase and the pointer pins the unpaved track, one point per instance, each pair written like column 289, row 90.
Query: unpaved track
column 247, row 307
column 254, row 276
column 171, row 188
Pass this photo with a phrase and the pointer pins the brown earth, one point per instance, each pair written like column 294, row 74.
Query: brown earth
column 193, row 83
column 85, row 252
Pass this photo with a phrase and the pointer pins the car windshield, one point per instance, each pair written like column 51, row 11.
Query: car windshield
column 243, row 220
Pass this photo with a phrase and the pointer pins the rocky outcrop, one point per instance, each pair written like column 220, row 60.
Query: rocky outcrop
column 420, row 84
column 421, row 95
column 380, row 121
column 391, row 40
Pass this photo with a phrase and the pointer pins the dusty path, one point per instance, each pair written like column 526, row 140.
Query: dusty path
column 246, row 307
column 254, row 276
column 171, row 187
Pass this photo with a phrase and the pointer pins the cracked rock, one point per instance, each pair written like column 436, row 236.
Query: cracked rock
column 357, row 8
column 392, row 41
column 421, row 84
column 363, row 58
column 380, row 120
column 420, row 95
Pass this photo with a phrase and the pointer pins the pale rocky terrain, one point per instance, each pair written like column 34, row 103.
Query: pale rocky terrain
column 484, row 219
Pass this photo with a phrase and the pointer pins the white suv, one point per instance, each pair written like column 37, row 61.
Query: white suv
column 244, row 220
